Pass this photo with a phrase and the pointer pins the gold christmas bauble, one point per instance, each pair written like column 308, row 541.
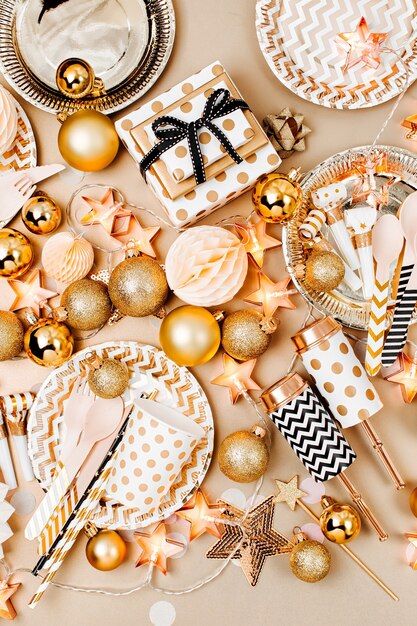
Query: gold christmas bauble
column 243, row 456
column 310, row 561
column 324, row 271
column 138, row 287
column 106, row 550
column 190, row 335
column 339, row 523
column 110, row 379
column 16, row 254
column 11, row 335
column 48, row 342
column 277, row 196
column 41, row 214
column 413, row 502
column 87, row 304
column 75, row 78
column 242, row 335
column 88, row 141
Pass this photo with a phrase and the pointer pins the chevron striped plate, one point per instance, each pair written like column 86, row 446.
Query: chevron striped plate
column 149, row 369
column 298, row 41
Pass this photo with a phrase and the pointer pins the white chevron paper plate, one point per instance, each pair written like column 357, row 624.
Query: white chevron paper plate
column 149, row 369
column 298, row 41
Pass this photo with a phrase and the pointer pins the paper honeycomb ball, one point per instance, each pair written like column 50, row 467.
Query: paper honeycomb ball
column 8, row 120
column 67, row 258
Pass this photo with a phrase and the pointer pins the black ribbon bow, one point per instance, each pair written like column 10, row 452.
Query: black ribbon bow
column 171, row 130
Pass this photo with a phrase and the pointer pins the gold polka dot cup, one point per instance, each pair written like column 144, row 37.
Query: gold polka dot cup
column 158, row 442
column 339, row 375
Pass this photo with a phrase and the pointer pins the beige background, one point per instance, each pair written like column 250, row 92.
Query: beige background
column 225, row 29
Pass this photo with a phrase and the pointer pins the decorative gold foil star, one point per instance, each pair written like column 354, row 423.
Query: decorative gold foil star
column 288, row 492
column 403, row 372
column 251, row 538
column 139, row 237
column 258, row 241
column 202, row 516
column 156, row 547
column 271, row 295
column 30, row 293
column 104, row 211
column 7, row 610
column 236, row 376
column 361, row 46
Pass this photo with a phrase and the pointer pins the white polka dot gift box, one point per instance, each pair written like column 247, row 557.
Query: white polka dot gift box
column 198, row 145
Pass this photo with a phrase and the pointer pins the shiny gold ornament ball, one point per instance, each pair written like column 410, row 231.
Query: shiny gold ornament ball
column 41, row 214
column 16, row 254
column 413, row 502
column 106, row 550
column 110, row 379
column 276, row 197
column 190, row 335
column 87, row 304
column 324, row 271
column 310, row 561
column 242, row 335
column 243, row 456
column 11, row 335
column 88, row 141
column 75, row 78
column 48, row 342
column 138, row 287
column 340, row 523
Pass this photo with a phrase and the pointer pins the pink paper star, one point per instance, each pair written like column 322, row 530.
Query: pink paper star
column 30, row 293
column 104, row 211
column 139, row 237
column 361, row 46
column 236, row 376
column 258, row 241
column 271, row 295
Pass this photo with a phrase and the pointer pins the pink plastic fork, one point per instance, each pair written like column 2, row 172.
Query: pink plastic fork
column 14, row 191
column 75, row 410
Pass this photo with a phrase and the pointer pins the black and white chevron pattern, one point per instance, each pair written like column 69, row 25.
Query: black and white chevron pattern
column 404, row 307
column 314, row 436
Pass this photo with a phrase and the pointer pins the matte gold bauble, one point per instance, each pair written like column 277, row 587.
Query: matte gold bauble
column 138, row 287
column 105, row 549
column 413, row 502
column 41, row 214
column 11, row 335
column 75, row 78
column 190, row 335
column 48, row 342
column 242, row 335
column 87, row 304
column 339, row 523
column 309, row 559
column 88, row 141
column 16, row 254
column 243, row 456
column 324, row 271
column 110, row 379
column 277, row 196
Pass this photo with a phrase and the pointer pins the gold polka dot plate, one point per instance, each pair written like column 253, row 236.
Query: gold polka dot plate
column 150, row 370
column 399, row 168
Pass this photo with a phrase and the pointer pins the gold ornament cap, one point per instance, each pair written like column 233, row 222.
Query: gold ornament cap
column 283, row 391
column 315, row 333
column 299, row 536
column 90, row 529
column 327, row 501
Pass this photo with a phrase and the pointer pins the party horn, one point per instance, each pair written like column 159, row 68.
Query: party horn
column 15, row 408
column 312, row 225
column 361, row 219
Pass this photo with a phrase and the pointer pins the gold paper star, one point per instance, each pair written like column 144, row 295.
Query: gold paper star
column 271, row 295
column 251, row 539
column 140, row 238
column 7, row 610
column 288, row 492
column 30, row 293
column 104, row 211
column 403, row 372
column 236, row 376
column 258, row 241
column 156, row 547
column 361, row 46
column 200, row 515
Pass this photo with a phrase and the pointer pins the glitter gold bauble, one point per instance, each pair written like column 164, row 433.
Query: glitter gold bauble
column 11, row 335
column 190, row 335
column 413, row 502
column 87, row 304
column 138, row 287
column 75, row 78
column 105, row 549
column 243, row 456
column 309, row 559
column 48, row 342
column 324, row 271
column 110, row 379
column 88, row 141
column 16, row 254
column 41, row 214
column 242, row 335
column 339, row 523
column 277, row 196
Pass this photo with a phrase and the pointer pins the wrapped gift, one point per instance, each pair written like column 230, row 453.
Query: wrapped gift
column 198, row 145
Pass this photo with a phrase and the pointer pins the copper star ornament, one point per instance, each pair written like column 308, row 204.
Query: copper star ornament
column 104, row 211
column 250, row 539
column 30, row 293
column 157, row 547
column 288, row 492
column 7, row 610
column 258, row 241
column 236, row 376
column 361, row 46
column 271, row 295
column 135, row 235
column 203, row 517
column 404, row 373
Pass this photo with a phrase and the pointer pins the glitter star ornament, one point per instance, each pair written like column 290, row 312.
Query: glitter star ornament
column 361, row 46
column 236, row 376
column 157, row 547
column 7, row 610
column 404, row 373
column 289, row 492
column 104, row 211
column 250, row 538
column 258, row 241
column 30, row 293
column 271, row 295
column 203, row 517
column 135, row 235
